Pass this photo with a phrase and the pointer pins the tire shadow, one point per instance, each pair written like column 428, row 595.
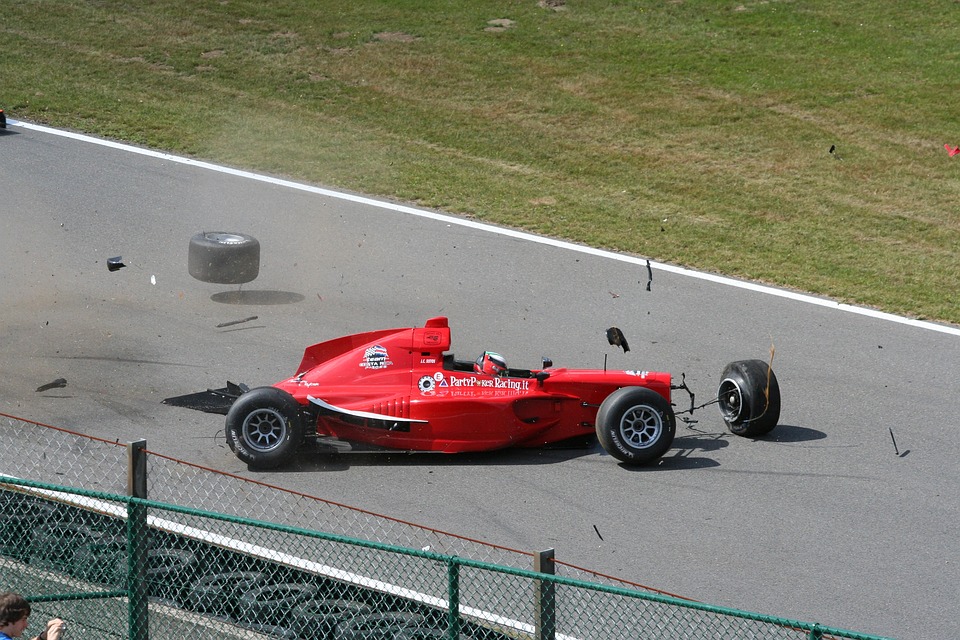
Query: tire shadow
column 786, row 433
column 257, row 297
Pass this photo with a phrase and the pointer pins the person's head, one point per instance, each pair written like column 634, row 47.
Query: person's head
column 14, row 612
column 490, row 363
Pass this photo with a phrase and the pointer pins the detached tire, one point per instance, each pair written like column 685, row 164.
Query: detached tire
column 224, row 258
column 749, row 397
column 264, row 427
column 636, row 425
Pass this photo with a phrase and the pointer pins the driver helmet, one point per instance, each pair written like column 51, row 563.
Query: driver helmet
column 491, row 364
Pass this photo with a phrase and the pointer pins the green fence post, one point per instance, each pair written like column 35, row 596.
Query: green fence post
column 544, row 599
column 815, row 633
column 453, row 595
column 137, row 539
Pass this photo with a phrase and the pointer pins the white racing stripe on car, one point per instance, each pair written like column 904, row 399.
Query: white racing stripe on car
column 360, row 414
column 520, row 235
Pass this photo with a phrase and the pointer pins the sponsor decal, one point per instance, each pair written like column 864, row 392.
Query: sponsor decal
column 461, row 386
column 375, row 357
column 491, row 383
column 432, row 338
column 642, row 374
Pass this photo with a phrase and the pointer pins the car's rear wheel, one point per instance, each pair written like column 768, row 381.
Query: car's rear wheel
column 636, row 425
column 264, row 427
column 749, row 398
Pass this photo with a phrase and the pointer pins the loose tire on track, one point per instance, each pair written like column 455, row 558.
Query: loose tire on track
column 636, row 425
column 224, row 258
column 264, row 427
column 749, row 398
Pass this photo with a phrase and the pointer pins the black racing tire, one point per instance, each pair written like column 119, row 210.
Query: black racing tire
column 170, row 572
column 19, row 516
column 316, row 619
column 224, row 258
column 54, row 544
column 377, row 626
column 272, row 604
column 102, row 561
column 636, row 425
column 749, row 398
column 264, row 427
column 219, row 593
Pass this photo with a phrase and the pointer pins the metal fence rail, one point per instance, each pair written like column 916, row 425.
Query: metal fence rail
column 232, row 577
column 115, row 565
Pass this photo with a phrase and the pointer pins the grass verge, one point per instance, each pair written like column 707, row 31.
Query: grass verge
column 691, row 131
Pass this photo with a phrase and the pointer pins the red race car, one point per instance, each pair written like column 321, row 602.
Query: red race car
column 401, row 389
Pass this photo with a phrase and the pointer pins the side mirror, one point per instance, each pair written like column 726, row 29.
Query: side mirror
column 547, row 363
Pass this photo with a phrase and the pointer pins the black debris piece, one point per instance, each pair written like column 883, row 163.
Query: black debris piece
column 115, row 264
column 615, row 337
column 216, row 401
column 895, row 448
column 233, row 322
column 59, row 383
column 649, row 275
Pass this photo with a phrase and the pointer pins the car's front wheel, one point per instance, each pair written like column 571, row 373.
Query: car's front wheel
column 636, row 425
column 264, row 427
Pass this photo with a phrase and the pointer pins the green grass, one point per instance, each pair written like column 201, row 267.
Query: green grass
column 689, row 131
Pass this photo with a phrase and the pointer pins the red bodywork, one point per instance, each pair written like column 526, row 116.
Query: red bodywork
column 400, row 389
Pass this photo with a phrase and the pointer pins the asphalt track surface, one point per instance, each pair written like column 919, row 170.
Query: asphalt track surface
column 828, row 520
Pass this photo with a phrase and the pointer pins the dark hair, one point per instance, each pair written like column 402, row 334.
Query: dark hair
column 13, row 608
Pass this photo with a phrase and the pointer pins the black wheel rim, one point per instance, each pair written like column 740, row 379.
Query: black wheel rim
column 731, row 400
column 264, row 429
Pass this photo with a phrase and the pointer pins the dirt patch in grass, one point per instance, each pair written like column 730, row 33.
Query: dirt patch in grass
column 394, row 36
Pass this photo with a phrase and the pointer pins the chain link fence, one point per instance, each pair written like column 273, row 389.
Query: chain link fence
column 273, row 563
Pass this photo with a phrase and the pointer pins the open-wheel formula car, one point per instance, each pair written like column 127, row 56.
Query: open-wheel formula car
column 401, row 389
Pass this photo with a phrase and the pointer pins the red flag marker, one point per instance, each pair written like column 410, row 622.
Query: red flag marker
column 953, row 151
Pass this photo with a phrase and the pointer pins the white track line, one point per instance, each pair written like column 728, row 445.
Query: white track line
column 521, row 235
column 119, row 510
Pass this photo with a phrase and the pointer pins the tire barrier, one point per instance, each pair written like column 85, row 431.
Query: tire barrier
column 317, row 619
column 19, row 516
column 219, row 593
column 379, row 626
column 102, row 561
column 273, row 604
column 270, row 599
column 170, row 573
column 224, row 258
column 273, row 630
column 54, row 544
